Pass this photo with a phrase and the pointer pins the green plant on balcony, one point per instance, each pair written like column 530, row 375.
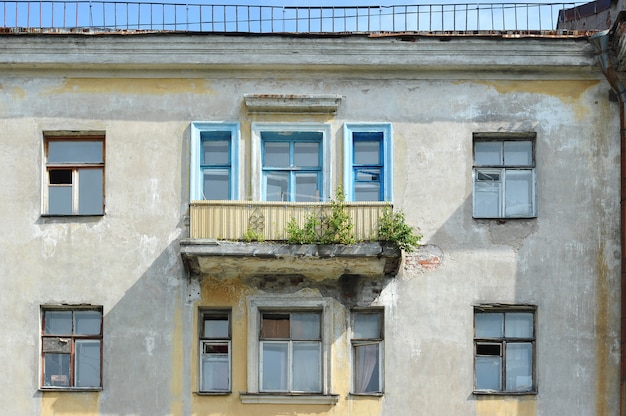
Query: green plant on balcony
column 253, row 235
column 392, row 227
column 333, row 228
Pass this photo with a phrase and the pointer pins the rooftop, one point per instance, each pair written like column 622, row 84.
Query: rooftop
column 97, row 17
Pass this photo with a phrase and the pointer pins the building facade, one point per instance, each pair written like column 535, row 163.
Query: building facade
column 150, row 179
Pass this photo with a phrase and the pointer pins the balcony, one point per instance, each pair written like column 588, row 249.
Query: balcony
column 220, row 243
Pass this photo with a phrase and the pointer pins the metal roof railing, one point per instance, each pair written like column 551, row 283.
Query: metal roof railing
column 111, row 16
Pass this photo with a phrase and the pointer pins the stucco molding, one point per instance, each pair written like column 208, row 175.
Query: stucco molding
column 290, row 103
column 240, row 52
column 254, row 398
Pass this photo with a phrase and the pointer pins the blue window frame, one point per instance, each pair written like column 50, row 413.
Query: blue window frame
column 290, row 162
column 292, row 166
column 368, row 162
column 214, row 165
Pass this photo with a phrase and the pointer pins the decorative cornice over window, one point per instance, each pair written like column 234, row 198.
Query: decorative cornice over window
column 290, row 103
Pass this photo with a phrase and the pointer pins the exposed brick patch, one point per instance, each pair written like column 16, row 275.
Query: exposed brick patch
column 424, row 258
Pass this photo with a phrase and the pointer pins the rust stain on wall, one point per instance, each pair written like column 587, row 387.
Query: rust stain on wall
column 568, row 92
column 133, row 86
column 224, row 291
column 602, row 333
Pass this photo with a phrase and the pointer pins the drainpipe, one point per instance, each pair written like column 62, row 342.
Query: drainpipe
column 600, row 42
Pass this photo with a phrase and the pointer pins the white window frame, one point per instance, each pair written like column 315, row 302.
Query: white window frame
column 63, row 136
column 387, row 156
column 502, row 171
column 72, row 339
column 215, row 341
column 195, row 172
column 256, row 153
column 361, row 342
column 256, row 306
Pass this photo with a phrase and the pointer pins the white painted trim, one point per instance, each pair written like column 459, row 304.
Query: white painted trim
column 195, row 174
column 329, row 399
column 256, row 305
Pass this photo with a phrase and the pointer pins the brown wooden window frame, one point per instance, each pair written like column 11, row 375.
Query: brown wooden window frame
column 68, row 343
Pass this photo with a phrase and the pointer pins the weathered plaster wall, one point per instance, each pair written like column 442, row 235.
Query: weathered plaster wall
column 566, row 261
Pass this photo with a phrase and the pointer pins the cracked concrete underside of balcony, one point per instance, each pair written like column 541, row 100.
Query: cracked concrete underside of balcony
column 233, row 259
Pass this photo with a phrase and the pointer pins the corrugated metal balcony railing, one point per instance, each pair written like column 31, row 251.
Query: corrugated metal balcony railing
column 190, row 16
column 231, row 220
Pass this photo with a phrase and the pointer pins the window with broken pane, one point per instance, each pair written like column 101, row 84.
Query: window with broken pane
column 290, row 347
column 74, row 175
column 368, row 162
column 71, row 348
column 504, row 176
column 215, row 352
column 367, row 352
column 504, row 346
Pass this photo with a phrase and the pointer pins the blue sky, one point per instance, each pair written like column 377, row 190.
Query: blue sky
column 188, row 15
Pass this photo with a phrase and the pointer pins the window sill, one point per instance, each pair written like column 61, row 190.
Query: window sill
column 365, row 395
column 213, row 393
column 286, row 398
column 70, row 389
column 71, row 215
column 504, row 393
column 533, row 217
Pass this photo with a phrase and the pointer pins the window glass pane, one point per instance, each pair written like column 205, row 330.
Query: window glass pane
column 215, row 372
column 87, row 322
column 275, row 326
column 364, row 191
column 274, row 366
column 58, row 322
column 519, row 357
column 75, row 151
column 306, row 187
column 216, row 184
column 90, row 192
column 488, row 153
column 216, row 327
column 87, row 362
column 276, row 154
column 367, row 325
column 489, row 373
column 518, row 153
column 367, row 368
column 305, row 326
column 519, row 195
column 367, row 175
column 518, row 325
column 367, row 152
column 306, row 154
column 215, row 367
column 277, row 186
column 56, row 370
column 487, row 199
column 307, row 369
column 216, row 152
column 60, row 200
column 60, row 176
column 489, row 325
